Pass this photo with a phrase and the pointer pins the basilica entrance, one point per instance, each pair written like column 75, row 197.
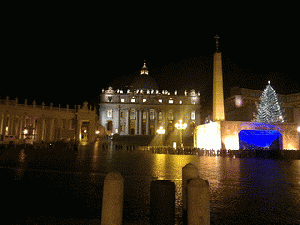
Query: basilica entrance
column 260, row 139
column 84, row 131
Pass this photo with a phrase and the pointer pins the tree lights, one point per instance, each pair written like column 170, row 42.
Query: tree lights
column 269, row 109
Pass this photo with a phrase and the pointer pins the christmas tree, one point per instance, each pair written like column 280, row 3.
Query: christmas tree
column 269, row 108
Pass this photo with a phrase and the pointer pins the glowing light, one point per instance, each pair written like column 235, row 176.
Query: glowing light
column 232, row 142
column 298, row 129
column 209, row 136
column 238, row 101
column 84, row 131
column 180, row 125
column 97, row 131
column 25, row 131
column 290, row 146
column 161, row 130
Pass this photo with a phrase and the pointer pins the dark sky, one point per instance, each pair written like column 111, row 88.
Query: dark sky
column 68, row 56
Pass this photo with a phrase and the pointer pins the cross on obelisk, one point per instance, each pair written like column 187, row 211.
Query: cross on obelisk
column 217, row 42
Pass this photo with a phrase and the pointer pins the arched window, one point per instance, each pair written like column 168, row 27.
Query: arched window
column 171, row 117
column 132, row 114
column 160, row 116
column 109, row 125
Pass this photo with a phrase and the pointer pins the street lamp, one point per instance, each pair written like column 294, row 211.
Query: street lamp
column 161, row 131
column 181, row 126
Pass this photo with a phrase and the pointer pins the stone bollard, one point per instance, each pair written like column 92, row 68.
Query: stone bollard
column 162, row 202
column 112, row 205
column 189, row 171
column 198, row 201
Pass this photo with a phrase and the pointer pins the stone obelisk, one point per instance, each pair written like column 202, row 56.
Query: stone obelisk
column 218, row 94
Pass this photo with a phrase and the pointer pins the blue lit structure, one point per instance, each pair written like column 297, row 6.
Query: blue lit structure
column 257, row 139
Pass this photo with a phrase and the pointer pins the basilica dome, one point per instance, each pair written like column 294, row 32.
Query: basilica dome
column 144, row 81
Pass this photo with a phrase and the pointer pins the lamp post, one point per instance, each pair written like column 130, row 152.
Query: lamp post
column 181, row 126
column 161, row 131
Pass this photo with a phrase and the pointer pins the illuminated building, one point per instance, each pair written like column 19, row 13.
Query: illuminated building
column 241, row 105
column 142, row 109
column 22, row 123
column 237, row 131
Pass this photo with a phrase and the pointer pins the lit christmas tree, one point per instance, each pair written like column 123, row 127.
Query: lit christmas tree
column 269, row 108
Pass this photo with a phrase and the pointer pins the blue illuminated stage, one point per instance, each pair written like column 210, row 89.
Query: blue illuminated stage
column 258, row 139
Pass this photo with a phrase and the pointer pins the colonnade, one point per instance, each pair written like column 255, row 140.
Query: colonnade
column 16, row 127
column 139, row 124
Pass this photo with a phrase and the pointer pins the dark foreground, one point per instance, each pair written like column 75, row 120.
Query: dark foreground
column 47, row 186
column 64, row 186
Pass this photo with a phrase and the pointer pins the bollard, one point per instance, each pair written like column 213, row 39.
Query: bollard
column 162, row 202
column 112, row 205
column 198, row 201
column 189, row 171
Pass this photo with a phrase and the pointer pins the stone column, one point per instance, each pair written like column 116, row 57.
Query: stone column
column 155, row 121
column 78, row 133
column 9, row 125
column 3, row 125
column 51, row 125
column 136, row 121
column 44, row 130
column 21, row 127
column 39, row 130
column 11, row 129
column 147, row 122
column 17, row 122
column 119, row 119
column 127, row 126
column 140, row 121
column 91, row 131
column 218, row 95
column 49, row 129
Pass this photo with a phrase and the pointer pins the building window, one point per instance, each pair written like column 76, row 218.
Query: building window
column 144, row 115
column 193, row 115
column 152, row 115
column 122, row 100
column 109, row 113
column 132, row 114
column 171, row 115
column 109, row 98
column 132, row 100
column 160, row 100
column 144, row 100
column 171, row 101
column 180, row 102
column 160, row 116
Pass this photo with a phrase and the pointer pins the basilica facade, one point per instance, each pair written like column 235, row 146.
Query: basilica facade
column 143, row 109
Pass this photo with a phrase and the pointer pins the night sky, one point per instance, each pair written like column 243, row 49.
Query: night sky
column 67, row 57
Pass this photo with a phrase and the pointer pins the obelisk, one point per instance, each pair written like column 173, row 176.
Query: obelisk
column 218, row 94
